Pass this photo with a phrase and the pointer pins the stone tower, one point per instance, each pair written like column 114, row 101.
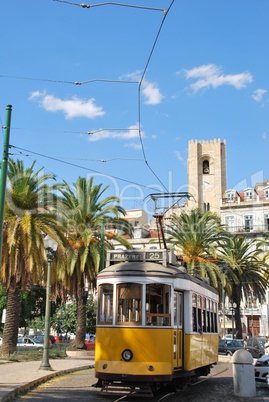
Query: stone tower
column 207, row 180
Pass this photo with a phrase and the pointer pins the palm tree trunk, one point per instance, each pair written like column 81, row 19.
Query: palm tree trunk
column 79, row 342
column 238, row 324
column 236, row 297
column 11, row 327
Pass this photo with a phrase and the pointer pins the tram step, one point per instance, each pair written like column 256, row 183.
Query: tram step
column 121, row 389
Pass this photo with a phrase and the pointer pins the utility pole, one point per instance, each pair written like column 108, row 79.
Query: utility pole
column 4, row 174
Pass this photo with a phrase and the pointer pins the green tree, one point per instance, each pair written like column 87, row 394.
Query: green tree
column 245, row 272
column 195, row 236
column 27, row 218
column 84, row 209
column 65, row 317
column 33, row 307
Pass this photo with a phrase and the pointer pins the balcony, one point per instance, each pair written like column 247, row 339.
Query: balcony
column 243, row 229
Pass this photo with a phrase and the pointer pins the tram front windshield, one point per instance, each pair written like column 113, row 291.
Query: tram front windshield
column 130, row 299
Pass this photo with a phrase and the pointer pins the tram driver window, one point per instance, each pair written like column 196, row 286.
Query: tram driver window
column 129, row 303
column 105, row 307
column 158, row 304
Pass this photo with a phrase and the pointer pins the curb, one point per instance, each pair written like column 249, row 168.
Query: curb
column 38, row 381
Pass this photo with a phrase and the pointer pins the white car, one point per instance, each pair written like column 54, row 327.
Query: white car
column 1, row 341
column 28, row 343
column 228, row 337
column 261, row 368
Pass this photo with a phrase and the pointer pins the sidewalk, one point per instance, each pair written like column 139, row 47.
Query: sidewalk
column 19, row 377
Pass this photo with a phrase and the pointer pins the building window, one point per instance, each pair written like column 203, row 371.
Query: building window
column 248, row 223
column 249, row 195
column 206, row 167
column 266, row 193
column 230, row 197
column 230, row 222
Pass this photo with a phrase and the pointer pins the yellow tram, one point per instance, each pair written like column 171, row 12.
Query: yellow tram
column 156, row 324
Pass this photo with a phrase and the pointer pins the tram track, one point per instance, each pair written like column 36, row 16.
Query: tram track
column 199, row 381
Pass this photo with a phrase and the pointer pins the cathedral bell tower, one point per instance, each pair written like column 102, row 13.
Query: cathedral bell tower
column 207, row 180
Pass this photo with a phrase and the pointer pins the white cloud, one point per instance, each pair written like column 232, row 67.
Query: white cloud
column 71, row 108
column 130, row 133
column 258, row 94
column 149, row 90
column 179, row 156
column 135, row 145
column 211, row 75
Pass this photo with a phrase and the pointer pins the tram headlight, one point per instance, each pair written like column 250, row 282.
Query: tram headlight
column 127, row 355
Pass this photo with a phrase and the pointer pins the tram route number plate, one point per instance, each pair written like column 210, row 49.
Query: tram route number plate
column 137, row 256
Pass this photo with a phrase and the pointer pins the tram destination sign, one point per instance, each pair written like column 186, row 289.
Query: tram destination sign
column 135, row 255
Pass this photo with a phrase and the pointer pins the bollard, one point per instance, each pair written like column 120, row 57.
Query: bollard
column 243, row 374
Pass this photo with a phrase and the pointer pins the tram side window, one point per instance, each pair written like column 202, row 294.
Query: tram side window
column 158, row 304
column 199, row 314
column 194, row 312
column 129, row 303
column 215, row 318
column 208, row 321
column 105, row 305
column 203, row 314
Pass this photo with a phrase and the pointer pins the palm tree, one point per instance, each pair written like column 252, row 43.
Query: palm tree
column 245, row 272
column 196, row 234
column 26, row 220
column 84, row 211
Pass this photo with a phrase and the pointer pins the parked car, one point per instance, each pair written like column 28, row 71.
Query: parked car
column 90, row 343
column 27, row 343
column 228, row 347
column 71, row 336
column 228, row 336
column 261, row 368
column 1, row 341
column 40, row 338
column 256, row 346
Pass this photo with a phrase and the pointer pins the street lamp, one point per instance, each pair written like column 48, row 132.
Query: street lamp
column 223, row 305
column 233, row 311
column 51, row 247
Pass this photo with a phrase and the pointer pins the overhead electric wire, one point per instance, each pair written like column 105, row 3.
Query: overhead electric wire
column 109, row 3
column 78, row 166
column 139, row 92
column 83, row 5
column 75, row 132
column 71, row 82
column 145, row 69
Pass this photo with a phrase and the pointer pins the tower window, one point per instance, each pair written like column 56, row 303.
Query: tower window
column 206, row 167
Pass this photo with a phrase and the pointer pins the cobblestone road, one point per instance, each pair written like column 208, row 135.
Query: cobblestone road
column 78, row 386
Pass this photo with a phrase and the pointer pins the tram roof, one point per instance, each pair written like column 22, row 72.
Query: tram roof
column 142, row 268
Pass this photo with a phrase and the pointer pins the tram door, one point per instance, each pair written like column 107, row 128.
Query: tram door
column 178, row 329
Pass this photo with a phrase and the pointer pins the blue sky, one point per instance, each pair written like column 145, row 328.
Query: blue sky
column 117, row 92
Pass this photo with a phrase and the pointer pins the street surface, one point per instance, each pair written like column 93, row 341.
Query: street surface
column 78, row 387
